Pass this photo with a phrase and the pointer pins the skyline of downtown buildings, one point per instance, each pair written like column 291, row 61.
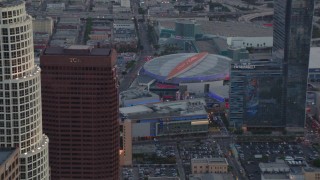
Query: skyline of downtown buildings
column 20, row 92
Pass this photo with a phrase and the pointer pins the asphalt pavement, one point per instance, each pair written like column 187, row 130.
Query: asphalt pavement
column 236, row 166
column 146, row 51
column 179, row 164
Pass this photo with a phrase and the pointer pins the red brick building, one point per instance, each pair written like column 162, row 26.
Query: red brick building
column 80, row 112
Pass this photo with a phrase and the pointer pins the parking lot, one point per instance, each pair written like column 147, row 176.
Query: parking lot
column 196, row 149
column 161, row 154
column 128, row 173
column 157, row 171
column 252, row 153
column 143, row 171
column 165, row 151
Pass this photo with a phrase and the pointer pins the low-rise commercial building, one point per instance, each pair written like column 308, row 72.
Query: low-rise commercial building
column 9, row 160
column 211, row 176
column 43, row 25
column 278, row 166
column 124, row 34
column 167, row 118
column 125, row 3
column 134, row 97
column 209, row 165
column 56, row 6
column 311, row 173
column 273, row 176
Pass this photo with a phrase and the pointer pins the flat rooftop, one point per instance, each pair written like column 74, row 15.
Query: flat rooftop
column 226, row 29
column 186, row 21
column 210, row 160
column 222, row 91
column 4, row 3
column 281, row 165
column 309, row 169
column 259, row 56
column 84, row 50
column 275, row 176
column 5, row 154
column 207, row 46
column 211, row 176
column 123, row 22
column 144, row 79
column 144, row 149
column 165, row 109
column 136, row 94
column 314, row 59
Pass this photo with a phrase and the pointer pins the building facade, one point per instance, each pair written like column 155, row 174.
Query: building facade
column 209, row 165
column 9, row 160
column 125, row 3
column 43, row 24
column 186, row 29
column 80, row 112
column 272, row 92
column 255, row 95
column 291, row 48
column 311, row 174
column 176, row 118
column 126, row 143
column 20, row 92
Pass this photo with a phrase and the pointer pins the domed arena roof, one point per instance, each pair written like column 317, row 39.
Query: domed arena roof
column 188, row 67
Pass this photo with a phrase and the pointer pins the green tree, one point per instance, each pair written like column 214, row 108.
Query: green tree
column 88, row 28
column 141, row 11
column 316, row 162
column 238, row 131
column 156, row 46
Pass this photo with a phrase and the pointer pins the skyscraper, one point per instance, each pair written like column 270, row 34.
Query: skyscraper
column 272, row 94
column 292, row 39
column 80, row 112
column 20, row 92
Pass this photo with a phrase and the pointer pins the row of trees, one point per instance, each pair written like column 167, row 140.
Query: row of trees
column 88, row 29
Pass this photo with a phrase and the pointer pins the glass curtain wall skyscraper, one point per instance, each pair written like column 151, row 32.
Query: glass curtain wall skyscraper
column 273, row 93
column 291, row 48
column 20, row 92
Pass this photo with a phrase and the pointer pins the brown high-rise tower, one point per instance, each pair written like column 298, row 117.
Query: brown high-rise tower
column 80, row 112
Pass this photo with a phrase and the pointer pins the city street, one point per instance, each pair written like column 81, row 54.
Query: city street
column 236, row 167
column 146, row 51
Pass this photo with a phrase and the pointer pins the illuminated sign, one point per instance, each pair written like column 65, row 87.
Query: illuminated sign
column 186, row 64
column 244, row 66
column 74, row 60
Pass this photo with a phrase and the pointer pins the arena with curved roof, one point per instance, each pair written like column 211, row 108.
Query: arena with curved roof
column 187, row 68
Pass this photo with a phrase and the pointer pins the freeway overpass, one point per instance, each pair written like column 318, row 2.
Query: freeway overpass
column 249, row 17
column 84, row 14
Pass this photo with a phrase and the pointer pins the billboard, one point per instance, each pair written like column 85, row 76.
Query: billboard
column 263, row 100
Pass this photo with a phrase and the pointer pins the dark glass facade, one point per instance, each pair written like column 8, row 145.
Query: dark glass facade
column 273, row 93
column 186, row 29
column 80, row 112
column 255, row 95
column 292, row 37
